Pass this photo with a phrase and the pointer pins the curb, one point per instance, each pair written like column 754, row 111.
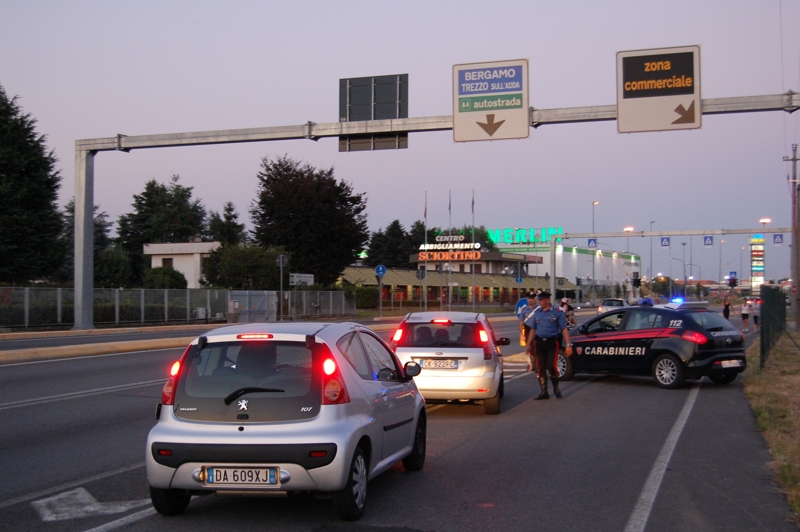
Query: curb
column 51, row 353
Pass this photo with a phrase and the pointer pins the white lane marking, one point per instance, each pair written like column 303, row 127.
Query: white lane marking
column 641, row 513
column 75, row 483
column 73, row 395
column 48, row 361
column 79, row 503
column 133, row 518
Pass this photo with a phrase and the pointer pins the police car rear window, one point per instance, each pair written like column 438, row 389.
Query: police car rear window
column 710, row 321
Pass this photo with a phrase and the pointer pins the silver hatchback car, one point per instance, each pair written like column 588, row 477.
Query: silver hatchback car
column 459, row 355
column 284, row 408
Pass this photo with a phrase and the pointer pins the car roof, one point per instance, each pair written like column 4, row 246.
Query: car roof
column 427, row 317
column 289, row 328
column 685, row 305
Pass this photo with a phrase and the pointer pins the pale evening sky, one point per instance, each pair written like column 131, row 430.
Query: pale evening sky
column 90, row 69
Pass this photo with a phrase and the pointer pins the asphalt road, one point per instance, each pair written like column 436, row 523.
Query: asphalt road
column 616, row 452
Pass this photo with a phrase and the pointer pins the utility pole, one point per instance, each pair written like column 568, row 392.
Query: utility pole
column 795, row 296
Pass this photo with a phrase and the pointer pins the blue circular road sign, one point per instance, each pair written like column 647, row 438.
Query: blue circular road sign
column 380, row 270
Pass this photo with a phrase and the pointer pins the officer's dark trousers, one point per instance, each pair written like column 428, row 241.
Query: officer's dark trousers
column 547, row 355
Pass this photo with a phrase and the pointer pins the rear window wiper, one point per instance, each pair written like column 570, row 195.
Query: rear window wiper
column 248, row 389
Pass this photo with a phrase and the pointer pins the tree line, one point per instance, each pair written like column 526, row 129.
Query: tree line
column 301, row 211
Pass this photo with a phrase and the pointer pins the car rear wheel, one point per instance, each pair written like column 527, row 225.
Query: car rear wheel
column 351, row 500
column 415, row 460
column 668, row 372
column 169, row 501
column 564, row 365
column 492, row 406
column 725, row 378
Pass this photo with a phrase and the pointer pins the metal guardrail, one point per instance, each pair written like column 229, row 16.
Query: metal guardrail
column 33, row 307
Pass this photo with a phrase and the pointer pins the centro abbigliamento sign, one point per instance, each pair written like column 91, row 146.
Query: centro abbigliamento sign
column 450, row 248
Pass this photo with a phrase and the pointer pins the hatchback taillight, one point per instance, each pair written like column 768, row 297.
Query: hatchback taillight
column 694, row 337
column 334, row 391
column 171, row 386
column 487, row 347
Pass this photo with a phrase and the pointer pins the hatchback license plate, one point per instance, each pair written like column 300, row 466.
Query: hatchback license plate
column 241, row 476
column 731, row 363
column 447, row 363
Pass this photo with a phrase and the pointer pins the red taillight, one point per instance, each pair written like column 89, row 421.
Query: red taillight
column 164, row 452
column 487, row 348
column 334, row 391
column 254, row 336
column 168, row 392
column 441, row 320
column 694, row 337
column 397, row 335
column 318, row 454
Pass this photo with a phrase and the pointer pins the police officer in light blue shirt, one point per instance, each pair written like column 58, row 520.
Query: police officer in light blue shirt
column 548, row 331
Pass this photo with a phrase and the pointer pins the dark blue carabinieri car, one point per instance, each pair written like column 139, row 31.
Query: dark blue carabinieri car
column 671, row 343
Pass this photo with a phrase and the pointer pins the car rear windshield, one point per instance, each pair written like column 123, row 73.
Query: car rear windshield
column 612, row 303
column 279, row 377
column 710, row 321
column 447, row 334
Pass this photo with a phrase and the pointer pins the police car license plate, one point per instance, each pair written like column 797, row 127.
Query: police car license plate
column 241, row 476
column 446, row 363
column 731, row 363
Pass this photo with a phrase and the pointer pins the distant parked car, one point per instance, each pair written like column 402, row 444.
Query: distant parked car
column 611, row 304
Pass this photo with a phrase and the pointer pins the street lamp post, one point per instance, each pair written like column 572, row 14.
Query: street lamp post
column 684, row 269
column 741, row 267
column 650, row 270
column 593, row 255
column 684, row 277
column 719, row 279
column 628, row 243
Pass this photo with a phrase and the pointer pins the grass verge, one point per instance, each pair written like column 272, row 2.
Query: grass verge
column 774, row 394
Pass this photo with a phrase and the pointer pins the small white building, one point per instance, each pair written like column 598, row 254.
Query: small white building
column 185, row 257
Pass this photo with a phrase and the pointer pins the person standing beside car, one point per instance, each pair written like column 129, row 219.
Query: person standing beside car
column 548, row 330
column 745, row 313
column 726, row 307
column 756, row 312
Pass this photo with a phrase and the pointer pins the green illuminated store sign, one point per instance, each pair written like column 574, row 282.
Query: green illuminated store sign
column 515, row 235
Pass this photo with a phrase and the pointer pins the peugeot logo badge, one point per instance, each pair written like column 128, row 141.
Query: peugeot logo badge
column 243, row 404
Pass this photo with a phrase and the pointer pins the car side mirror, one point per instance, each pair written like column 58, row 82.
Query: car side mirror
column 412, row 369
column 582, row 329
column 503, row 341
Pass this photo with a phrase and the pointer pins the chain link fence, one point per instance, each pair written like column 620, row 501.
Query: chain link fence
column 773, row 319
column 27, row 307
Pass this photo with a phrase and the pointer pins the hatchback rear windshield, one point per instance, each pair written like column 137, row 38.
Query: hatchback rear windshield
column 710, row 321
column 279, row 376
column 447, row 334
column 612, row 303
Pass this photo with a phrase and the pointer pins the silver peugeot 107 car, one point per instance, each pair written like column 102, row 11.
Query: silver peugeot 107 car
column 284, row 408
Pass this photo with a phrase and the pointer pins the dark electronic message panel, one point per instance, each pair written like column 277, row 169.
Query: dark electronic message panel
column 373, row 98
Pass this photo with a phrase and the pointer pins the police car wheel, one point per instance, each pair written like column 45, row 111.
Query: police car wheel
column 668, row 372
column 725, row 378
column 564, row 365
